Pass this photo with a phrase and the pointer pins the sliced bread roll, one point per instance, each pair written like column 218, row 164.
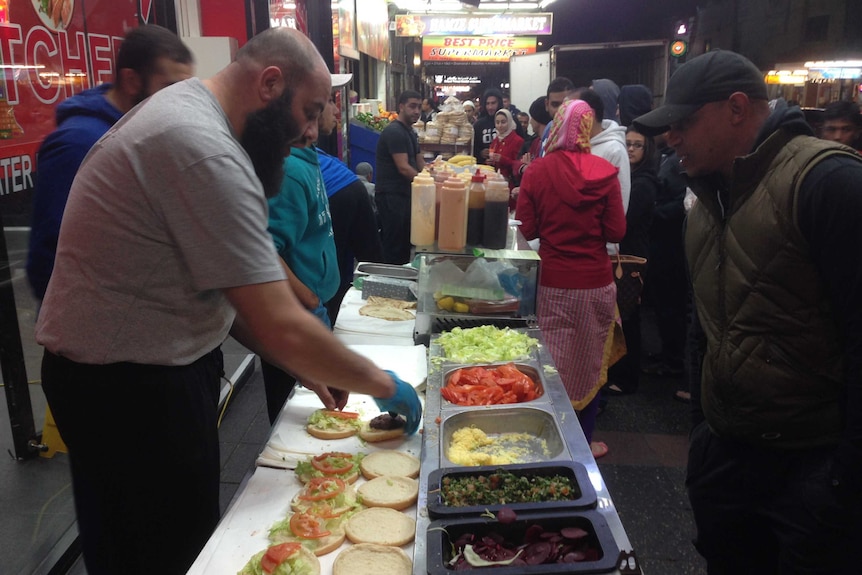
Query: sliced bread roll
column 325, row 424
column 284, row 531
column 309, row 499
column 389, row 462
column 382, row 526
column 382, row 428
column 390, row 491
column 370, row 559
column 302, row 560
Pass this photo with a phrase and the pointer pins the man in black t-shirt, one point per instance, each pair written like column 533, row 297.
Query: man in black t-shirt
column 484, row 130
column 398, row 161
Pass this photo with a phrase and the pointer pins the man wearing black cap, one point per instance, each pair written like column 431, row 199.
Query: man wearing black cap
column 774, row 473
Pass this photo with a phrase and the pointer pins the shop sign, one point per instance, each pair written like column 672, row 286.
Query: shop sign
column 372, row 29
column 441, row 79
column 473, row 25
column 282, row 14
column 347, row 29
column 46, row 56
column 475, row 49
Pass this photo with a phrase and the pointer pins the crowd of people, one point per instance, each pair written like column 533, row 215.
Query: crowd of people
column 195, row 209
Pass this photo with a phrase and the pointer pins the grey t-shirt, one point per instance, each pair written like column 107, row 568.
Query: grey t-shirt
column 165, row 212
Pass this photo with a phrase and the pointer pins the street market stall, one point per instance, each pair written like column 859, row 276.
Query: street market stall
column 530, row 431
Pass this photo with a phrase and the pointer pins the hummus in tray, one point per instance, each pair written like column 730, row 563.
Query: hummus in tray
column 471, row 446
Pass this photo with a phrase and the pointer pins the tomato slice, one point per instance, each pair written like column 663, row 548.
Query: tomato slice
column 333, row 463
column 325, row 511
column 278, row 554
column 341, row 414
column 320, row 488
column 307, row 526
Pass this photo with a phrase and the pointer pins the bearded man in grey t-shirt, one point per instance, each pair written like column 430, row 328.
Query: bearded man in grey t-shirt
column 163, row 252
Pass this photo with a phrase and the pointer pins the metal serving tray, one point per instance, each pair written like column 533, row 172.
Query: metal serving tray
column 385, row 270
column 583, row 496
column 538, row 422
column 442, row 533
column 436, row 351
column 529, row 370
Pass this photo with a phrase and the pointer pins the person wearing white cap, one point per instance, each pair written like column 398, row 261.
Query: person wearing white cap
column 301, row 228
column 470, row 109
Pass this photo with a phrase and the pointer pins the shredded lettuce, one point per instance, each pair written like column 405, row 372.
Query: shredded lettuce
column 485, row 344
column 297, row 566
column 323, row 421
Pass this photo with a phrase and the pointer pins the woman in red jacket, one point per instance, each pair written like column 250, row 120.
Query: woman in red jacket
column 571, row 200
column 505, row 147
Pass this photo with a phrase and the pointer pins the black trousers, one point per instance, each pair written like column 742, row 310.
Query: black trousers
column 394, row 213
column 763, row 511
column 144, row 455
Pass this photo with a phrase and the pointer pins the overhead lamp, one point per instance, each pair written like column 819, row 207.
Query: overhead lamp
column 545, row 3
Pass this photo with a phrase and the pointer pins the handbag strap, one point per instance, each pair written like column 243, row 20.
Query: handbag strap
column 618, row 272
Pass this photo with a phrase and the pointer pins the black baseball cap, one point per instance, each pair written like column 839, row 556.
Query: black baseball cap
column 710, row 77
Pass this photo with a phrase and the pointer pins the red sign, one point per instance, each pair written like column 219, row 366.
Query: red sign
column 146, row 5
column 50, row 50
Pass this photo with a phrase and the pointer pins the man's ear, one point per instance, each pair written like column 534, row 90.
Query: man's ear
column 740, row 107
column 270, row 84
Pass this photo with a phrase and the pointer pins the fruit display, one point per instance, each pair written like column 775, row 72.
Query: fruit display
column 378, row 122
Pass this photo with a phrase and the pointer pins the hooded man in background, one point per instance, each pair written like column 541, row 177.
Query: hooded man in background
column 484, row 130
column 150, row 58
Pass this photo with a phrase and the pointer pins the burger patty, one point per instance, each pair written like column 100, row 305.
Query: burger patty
column 386, row 422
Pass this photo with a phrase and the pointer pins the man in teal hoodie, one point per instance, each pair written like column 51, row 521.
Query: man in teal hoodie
column 301, row 228
column 150, row 58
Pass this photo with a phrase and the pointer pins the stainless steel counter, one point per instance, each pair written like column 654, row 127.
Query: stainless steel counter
column 555, row 401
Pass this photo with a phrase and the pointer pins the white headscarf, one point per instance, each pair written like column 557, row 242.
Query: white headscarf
column 510, row 123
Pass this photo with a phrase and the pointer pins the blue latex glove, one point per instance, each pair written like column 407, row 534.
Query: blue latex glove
column 405, row 402
column 321, row 314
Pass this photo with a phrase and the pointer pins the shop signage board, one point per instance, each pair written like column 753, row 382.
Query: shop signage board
column 372, row 29
column 475, row 48
column 539, row 24
column 346, row 29
column 50, row 50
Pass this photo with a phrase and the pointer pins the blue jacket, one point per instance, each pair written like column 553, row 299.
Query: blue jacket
column 81, row 121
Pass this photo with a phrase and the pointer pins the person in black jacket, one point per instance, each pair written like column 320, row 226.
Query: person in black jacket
column 484, row 130
column 775, row 472
column 623, row 376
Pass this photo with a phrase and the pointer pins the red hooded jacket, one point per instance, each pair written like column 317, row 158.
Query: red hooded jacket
column 572, row 202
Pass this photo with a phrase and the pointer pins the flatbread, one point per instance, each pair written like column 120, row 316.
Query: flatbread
column 389, row 302
column 387, row 313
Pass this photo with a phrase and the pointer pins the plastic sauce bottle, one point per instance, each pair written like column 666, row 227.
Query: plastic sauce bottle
column 423, row 196
column 476, row 209
column 496, row 220
column 439, row 177
column 453, row 215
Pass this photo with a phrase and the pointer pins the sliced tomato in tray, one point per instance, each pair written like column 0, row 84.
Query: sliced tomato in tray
column 495, row 385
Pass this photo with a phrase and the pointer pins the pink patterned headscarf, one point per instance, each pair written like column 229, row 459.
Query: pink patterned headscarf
column 571, row 128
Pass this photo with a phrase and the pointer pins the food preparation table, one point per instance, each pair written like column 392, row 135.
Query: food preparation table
column 264, row 497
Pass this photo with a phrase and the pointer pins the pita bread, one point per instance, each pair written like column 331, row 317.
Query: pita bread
column 389, row 302
column 387, row 313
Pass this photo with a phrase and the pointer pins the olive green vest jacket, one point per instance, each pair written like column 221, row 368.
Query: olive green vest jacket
column 773, row 371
